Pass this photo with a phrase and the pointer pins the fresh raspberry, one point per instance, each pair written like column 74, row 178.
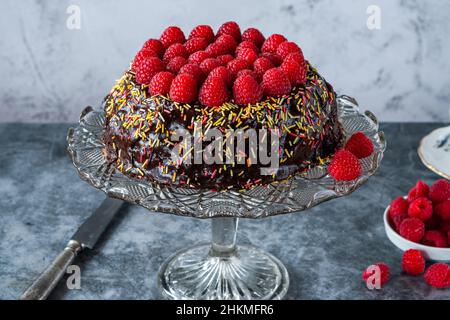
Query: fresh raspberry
column 271, row 44
column 421, row 208
column 261, row 65
column 385, row 272
column 214, row 92
column 195, row 44
column 147, row 69
column 217, row 49
column 273, row 57
column 172, row 35
column 398, row 206
column 209, row 64
column 198, row 57
column 252, row 73
column 276, row 83
column 433, row 223
column 141, row 56
column 421, row 189
column 247, row 54
column 435, row 238
column 223, row 73
column 183, row 88
column 202, row 31
column 412, row 229
column 246, row 45
column 297, row 57
column 160, row 83
column 175, row 64
column 253, row 35
column 413, row 262
column 287, row 47
column 247, row 90
column 444, row 226
column 154, row 45
column 443, row 210
column 224, row 59
column 175, row 50
column 440, row 191
column 231, row 28
column 295, row 72
column 194, row 70
column 228, row 42
column 236, row 65
column 397, row 220
column 344, row 166
column 438, row 275
column 359, row 145
column 448, row 236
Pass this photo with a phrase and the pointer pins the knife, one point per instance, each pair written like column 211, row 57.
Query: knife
column 85, row 237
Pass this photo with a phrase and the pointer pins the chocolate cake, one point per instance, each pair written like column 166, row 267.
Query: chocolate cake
column 264, row 84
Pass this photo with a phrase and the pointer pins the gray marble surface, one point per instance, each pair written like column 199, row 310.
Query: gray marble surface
column 325, row 249
column 401, row 71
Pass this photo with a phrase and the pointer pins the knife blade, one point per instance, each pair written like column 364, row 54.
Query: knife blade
column 86, row 236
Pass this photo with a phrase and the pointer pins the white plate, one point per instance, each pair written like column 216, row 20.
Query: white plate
column 430, row 253
column 434, row 151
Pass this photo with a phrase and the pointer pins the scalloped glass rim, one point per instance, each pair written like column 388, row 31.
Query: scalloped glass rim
column 303, row 191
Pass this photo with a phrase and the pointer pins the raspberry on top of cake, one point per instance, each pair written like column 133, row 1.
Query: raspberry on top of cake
column 224, row 80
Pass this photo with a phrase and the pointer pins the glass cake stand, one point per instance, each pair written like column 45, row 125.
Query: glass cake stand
column 222, row 270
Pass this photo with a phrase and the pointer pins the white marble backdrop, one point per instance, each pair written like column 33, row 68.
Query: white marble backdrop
column 401, row 71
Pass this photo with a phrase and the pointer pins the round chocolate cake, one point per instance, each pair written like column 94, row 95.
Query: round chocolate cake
column 176, row 116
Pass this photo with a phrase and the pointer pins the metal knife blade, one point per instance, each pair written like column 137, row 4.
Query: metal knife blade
column 85, row 237
column 93, row 227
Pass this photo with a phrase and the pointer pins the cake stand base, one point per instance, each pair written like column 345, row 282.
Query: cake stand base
column 222, row 270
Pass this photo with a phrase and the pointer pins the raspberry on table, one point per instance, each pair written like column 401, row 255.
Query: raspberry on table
column 384, row 272
column 412, row 229
column 438, row 275
column 413, row 262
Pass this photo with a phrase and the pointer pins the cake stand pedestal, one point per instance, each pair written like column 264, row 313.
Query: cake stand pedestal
column 222, row 269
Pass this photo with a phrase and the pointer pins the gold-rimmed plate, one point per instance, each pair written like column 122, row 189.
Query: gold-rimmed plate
column 434, row 151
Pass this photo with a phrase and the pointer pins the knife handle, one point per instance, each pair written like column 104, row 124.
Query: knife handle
column 44, row 284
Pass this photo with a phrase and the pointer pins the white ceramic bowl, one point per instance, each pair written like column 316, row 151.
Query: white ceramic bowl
column 430, row 253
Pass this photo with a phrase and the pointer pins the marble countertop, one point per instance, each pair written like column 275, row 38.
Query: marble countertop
column 325, row 249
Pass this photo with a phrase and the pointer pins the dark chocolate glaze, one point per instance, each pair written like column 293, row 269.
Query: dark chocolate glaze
column 138, row 129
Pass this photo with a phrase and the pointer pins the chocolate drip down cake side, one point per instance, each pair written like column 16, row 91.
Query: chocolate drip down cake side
column 229, row 83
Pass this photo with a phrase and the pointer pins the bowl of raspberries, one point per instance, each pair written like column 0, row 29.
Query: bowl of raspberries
column 421, row 220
